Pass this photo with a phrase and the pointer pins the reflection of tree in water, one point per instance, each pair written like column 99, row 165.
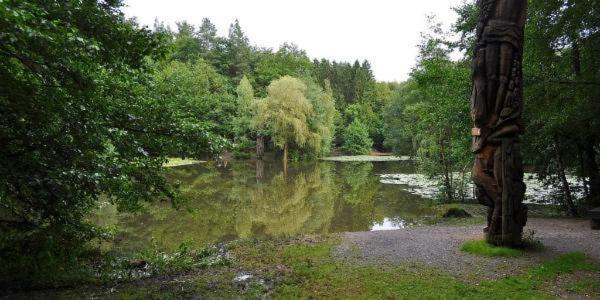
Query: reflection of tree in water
column 302, row 202
column 358, row 190
column 230, row 203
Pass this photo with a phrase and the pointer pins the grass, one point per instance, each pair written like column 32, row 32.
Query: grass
column 303, row 268
column 176, row 162
column 365, row 158
column 481, row 247
column 586, row 286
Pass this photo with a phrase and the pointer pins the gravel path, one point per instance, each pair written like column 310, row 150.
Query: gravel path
column 439, row 247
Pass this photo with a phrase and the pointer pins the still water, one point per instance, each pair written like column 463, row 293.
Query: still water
column 245, row 199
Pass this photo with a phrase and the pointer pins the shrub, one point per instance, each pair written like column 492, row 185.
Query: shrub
column 356, row 139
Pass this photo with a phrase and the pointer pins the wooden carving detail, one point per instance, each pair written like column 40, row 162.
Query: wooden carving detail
column 496, row 107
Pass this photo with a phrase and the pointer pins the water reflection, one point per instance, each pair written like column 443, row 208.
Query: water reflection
column 256, row 199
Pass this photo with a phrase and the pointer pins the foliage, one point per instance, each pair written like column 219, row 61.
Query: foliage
column 198, row 94
column 399, row 134
column 153, row 261
column 481, row 247
column 430, row 113
column 242, row 123
column 356, row 139
column 357, row 94
column 288, row 60
column 286, row 112
column 322, row 121
column 81, row 118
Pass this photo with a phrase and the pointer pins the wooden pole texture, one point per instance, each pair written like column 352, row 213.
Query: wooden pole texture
column 496, row 107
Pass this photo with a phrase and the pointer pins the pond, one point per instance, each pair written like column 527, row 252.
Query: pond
column 245, row 199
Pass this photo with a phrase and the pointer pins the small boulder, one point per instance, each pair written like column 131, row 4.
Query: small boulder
column 456, row 212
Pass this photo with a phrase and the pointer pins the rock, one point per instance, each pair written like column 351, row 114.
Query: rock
column 456, row 212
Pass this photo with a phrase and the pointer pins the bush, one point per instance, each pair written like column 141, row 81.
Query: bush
column 242, row 149
column 456, row 212
column 356, row 139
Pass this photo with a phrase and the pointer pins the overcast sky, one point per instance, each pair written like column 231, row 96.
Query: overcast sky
column 385, row 32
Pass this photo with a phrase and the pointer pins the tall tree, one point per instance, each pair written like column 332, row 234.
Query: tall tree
column 242, row 123
column 286, row 112
column 239, row 52
column 80, row 118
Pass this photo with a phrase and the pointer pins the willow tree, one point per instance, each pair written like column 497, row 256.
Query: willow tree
column 286, row 112
column 496, row 107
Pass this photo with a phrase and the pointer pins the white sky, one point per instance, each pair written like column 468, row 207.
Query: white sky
column 385, row 32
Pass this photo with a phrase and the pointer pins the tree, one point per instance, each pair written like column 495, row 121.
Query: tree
column 79, row 120
column 286, row 112
column 186, row 47
column 323, row 120
column 356, row 139
column 428, row 116
column 399, row 137
column 559, row 75
column 198, row 93
column 288, row 60
column 242, row 123
column 239, row 52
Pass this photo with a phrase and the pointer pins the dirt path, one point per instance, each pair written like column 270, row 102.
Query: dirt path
column 439, row 247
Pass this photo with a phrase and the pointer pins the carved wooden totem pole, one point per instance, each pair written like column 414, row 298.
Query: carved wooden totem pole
column 496, row 106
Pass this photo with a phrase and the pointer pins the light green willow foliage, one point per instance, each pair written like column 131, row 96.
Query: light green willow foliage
column 245, row 99
column 323, row 120
column 286, row 112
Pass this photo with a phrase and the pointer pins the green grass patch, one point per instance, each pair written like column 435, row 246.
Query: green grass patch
column 481, row 247
column 366, row 158
column 176, row 162
column 586, row 286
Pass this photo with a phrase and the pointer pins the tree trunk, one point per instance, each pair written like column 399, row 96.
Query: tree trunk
column 594, row 174
column 584, row 180
column 260, row 146
column 496, row 107
column 260, row 169
column 285, row 158
column 447, row 179
column 568, row 199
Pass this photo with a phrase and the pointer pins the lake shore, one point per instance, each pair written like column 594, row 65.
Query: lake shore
column 413, row 262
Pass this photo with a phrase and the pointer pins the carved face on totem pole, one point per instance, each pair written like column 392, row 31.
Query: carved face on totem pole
column 496, row 107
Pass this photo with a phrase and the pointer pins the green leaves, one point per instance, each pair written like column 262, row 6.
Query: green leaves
column 356, row 139
column 82, row 117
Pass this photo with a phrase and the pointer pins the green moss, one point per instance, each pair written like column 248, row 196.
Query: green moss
column 481, row 247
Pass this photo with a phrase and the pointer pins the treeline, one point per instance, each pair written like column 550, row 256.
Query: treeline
column 358, row 99
column 93, row 105
column 430, row 115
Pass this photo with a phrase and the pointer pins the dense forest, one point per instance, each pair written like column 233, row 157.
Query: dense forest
column 92, row 105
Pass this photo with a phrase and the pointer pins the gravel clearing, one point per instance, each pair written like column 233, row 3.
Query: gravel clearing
column 439, row 247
